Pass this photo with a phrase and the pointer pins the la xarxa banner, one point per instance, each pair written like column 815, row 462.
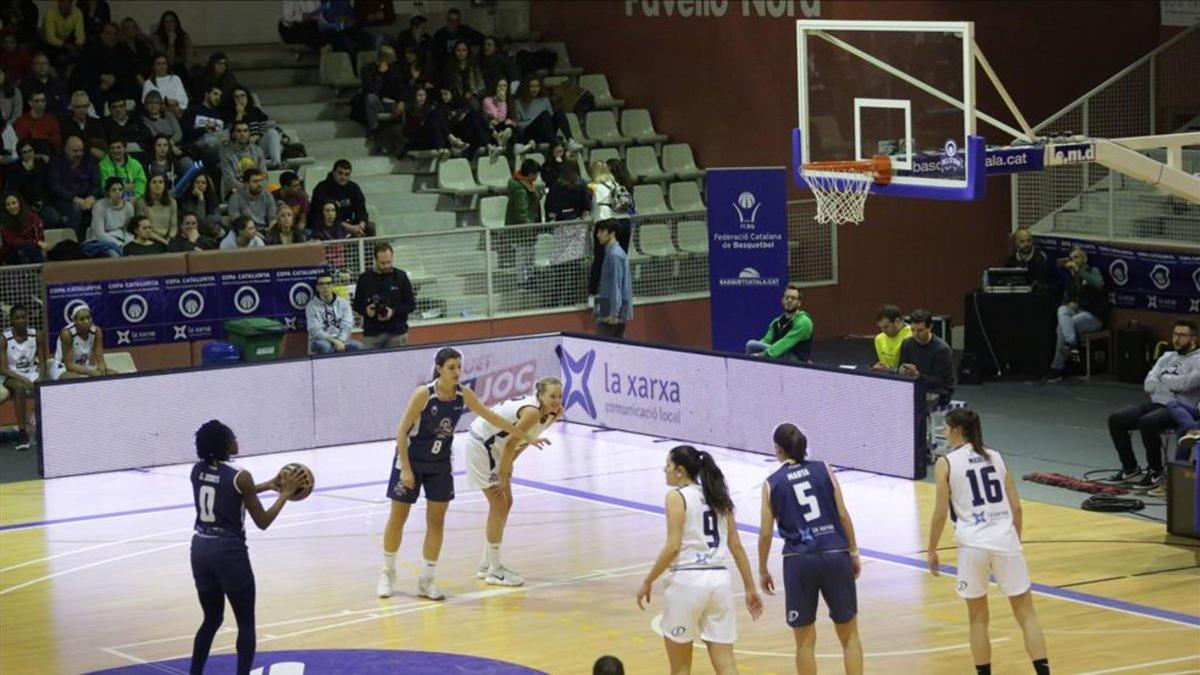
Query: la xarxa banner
column 1162, row 281
column 747, row 252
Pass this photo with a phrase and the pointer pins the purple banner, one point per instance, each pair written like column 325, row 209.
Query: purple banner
column 1160, row 281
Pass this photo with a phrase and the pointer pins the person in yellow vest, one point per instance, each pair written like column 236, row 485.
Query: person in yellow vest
column 892, row 332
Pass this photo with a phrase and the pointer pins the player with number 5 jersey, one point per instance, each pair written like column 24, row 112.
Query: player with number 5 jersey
column 975, row 489
column 422, row 459
column 820, row 553
column 701, row 538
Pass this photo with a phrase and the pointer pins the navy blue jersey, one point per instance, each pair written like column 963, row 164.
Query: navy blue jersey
column 805, row 508
column 430, row 438
column 219, row 506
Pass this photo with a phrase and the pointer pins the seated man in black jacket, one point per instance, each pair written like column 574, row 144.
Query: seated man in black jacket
column 351, row 203
column 1084, row 309
column 1026, row 254
column 384, row 297
column 927, row 358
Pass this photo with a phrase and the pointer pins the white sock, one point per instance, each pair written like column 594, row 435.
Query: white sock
column 389, row 562
column 428, row 568
column 492, row 554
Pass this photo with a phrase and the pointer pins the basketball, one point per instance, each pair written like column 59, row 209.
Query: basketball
column 306, row 480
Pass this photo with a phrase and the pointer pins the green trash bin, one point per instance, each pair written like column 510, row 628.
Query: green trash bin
column 258, row 338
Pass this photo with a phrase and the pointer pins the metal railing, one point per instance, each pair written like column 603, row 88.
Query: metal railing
column 1157, row 94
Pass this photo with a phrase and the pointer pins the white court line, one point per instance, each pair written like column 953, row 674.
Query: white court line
column 1139, row 666
column 1182, row 672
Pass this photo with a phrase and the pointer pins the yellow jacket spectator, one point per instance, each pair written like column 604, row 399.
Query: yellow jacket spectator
column 892, row 332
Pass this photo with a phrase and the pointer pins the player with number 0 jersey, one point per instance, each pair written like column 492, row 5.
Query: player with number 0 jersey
column 422, row 459
column 975, row 489
column 820, row 553
column 701, row 538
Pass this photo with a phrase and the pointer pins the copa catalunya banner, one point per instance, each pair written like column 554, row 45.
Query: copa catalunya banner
column 747, row 252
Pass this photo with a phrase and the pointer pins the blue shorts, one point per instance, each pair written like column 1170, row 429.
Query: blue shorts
column 220, row 563
column 436, row 478
column 828, row 572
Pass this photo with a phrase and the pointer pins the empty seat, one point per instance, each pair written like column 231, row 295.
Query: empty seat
column 597, row 84
column 492, row 211
column 636, row 124
column 577, row 131
column 678, row 159
column 604, row 154
column 554, row 80
column 429, row 221
column 693, row 237
column 643, row 165
column 685, row 196
column 57, row 235
column 602, row 126
column 454, row 176
column 408, row 258
column 336, row 70
column 583, row 169
column 494, row 172
column 648, row 200
column 655, row 239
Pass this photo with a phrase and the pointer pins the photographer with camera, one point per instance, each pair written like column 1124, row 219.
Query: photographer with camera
column 1084, row 309
column 384, row 297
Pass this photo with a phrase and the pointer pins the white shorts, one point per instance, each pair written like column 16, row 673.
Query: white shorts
column 699, row 604
column 976, row 564
column 482, row 464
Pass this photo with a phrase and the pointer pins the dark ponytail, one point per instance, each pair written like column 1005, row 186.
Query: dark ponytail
column 214, row 440
column 701, row 468
column 792, row 441
column 444, row 354
column 967, row 422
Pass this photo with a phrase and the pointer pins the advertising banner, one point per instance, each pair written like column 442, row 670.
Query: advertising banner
column 747, row 252
column 1137, row 278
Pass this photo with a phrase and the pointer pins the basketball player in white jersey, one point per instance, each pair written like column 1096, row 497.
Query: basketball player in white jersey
column 80, row 348
column 975, row 488
column 491, row 452
column 21, row 364
column 701, row 537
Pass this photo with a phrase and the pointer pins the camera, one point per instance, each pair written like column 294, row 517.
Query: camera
column 382, row 304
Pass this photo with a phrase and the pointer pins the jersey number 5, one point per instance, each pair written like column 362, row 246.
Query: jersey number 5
column 812, row 506
column 993, row 491
column 710, row 529
column 208, row 499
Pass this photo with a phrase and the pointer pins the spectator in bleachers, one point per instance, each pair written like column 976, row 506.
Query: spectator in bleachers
column 96, row 14
column 254, row 201
column 162, row 80
column 298, row 23
column 263, row 132
column 105, row 70
column 189, row 237
column 204, row 126
column 416, row 39
column 927, row 358
column 384, row 297
column 74, row 184
column 339, row 29
column 893, row 331
column 468, row 130
column 446, row 39
column 157, row 122
column 291, row 194
column 143, row 240
column 201, row 199
column 12, row 103
column 110, row 217
column 374, row 13
column 20, row 17
column 81, row 123
column 285, row 229
column 523, row 204
column 160, row 208
column 501, row 126
column 22, row 363
column 30, row 176
column 348, row 196
column 789, row 335
column 568, row 198
column 41, row 80
column 495, row 64
column 330, row 320
column 611, row 200
column 167, row 160
column 39, row 127
column 384, row 89
column 216, row 73
column 462, row 74
column 120, row 124
column 170, row 39
column 22, row 233
column 118, row 163
column 416, row 73
column 62, row 33
column 15, row 60
column 614, row 293
column 425, row 126
column 328, row 226
column 555, row 159
column 242, row 234
column 536, row 119
column 1084, row 309
column 136, row 46
column 238, row 155
column 8, row 147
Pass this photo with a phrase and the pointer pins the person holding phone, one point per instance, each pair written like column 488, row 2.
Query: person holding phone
column 1084, row 309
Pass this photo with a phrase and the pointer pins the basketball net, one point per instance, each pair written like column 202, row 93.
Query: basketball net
column 841, row 188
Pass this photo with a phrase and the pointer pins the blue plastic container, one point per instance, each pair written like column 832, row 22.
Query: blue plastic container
column 217, row 353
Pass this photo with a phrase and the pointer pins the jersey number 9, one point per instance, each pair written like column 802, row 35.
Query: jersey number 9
column 710, row 529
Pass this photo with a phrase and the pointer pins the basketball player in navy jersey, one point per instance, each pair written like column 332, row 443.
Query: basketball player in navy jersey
column 820, row 554
column 976, row 490
column 223, row 493
column 422, row 458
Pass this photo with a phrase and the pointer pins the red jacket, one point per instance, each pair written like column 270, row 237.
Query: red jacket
column 44, row 129
column 31, row 232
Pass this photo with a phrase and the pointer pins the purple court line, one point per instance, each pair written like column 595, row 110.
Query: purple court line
column 1064, row 593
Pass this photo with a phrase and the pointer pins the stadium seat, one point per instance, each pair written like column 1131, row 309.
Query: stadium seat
column 365, row 57
column 429, row 221
column 492, row 211
column 648, row 200
column 336, row 70
column 597, row 84
column 408, row 258
column 543, row 250
column 583, row 170
column 454, row 177
column 685, row 196
column 693, row 237
column 577, row 132
column 494, row 172
column 57, row 235
column 604, row 154
column 643, row 165
column 655, row 240
column 554, row 80
column 562, row 66
column 602, row 126
column 678, row 159
column 636, row 124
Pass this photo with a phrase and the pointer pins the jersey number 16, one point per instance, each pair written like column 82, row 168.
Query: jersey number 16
column 993, row 491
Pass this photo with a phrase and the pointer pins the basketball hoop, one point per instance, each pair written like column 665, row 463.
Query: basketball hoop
column 841, row 187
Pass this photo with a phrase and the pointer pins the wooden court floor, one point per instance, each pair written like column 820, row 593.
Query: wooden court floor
column 94, row 574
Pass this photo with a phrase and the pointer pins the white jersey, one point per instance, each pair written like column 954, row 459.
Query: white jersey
column 81, row 346
column 22, row 356
column 488, row 434
column 705, row 543
column 979, row 503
